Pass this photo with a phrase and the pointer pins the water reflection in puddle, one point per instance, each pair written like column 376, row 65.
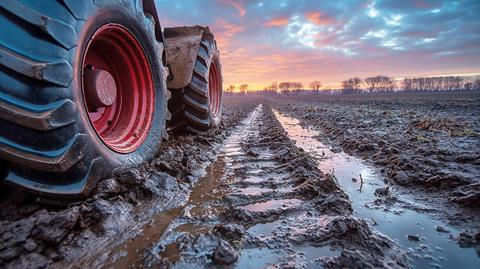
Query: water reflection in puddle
column 258, row 258
column 264, row 229
column 272, row 205
column 255, row 179
column 254, row 190
column 349, row 171
column 313, row 253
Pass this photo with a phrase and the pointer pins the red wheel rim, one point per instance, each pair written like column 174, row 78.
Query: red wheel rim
column 214, row 89
column 123, row 123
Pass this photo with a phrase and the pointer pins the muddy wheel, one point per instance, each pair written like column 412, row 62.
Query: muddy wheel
column 198, row 106
column 82, row 91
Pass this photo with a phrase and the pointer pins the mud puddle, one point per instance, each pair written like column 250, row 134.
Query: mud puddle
column 428, row 242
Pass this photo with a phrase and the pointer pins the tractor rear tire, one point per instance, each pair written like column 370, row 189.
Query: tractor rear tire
column 197, row 107
column 52, row 141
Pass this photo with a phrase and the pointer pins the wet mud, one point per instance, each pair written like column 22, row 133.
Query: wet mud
column 83, row 234
column 426, row 146
column 278, row 185
column 264, row 203
column 429, row 243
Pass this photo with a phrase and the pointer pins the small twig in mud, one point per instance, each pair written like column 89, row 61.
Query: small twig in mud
column 237, row 243
column 332, row 174
column 361, row 182
column 374, row 222
column 335, row 178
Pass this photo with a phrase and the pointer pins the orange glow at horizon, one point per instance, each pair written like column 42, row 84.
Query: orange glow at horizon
column 260, row 85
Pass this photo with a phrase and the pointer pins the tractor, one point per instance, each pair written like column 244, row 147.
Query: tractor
column 88, row 86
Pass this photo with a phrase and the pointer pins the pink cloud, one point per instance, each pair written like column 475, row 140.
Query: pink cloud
column 237, row 5
column 277, row 22
column 320, row 19
column 224, row 33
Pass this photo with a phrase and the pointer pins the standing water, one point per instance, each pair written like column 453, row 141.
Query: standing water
column 414, row 231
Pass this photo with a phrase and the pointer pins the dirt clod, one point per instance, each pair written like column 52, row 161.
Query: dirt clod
column 225, row 254
column 231, row 232
column 413, row 237
column 441, row 229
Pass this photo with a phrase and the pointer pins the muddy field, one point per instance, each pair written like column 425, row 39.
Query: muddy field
column 428, row 143
column 349, row 182
column 425, row 147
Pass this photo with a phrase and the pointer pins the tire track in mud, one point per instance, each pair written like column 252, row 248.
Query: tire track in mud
column 264, row 203
column 87, row 233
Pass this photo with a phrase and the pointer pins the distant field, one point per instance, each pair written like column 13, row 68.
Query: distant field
column 447, row 96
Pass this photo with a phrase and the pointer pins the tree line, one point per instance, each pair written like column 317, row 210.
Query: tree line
column 388, row 84
column 368, row 85
column 285, row 88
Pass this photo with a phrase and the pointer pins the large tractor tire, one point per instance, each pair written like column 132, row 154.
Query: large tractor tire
column 196, row 86
column 82, row 91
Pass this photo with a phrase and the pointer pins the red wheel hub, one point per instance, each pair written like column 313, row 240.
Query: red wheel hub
column 118, row 88
column 214, row 88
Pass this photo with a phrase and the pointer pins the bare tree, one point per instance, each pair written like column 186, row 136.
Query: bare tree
column 243, row 88
column 371, row 83
column 387, row 84
column 231, row 89
column 357, row 83
column 315, row 86
column 270, row 89
column 297, row 87
column 407, row 84
column 457, row 83
column 380, row 84
column 468, row 86
column 352, row 85
column 273, row 86
column 476, row 84
column 285, row 87
column 347, row 85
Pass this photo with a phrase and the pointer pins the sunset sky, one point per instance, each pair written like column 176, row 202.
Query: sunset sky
column 330, row 41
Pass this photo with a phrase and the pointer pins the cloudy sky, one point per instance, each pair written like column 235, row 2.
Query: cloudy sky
column 331, row 40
